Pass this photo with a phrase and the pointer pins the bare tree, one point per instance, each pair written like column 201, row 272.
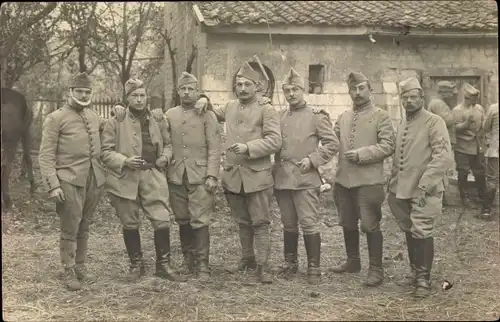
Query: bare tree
column 25, row 29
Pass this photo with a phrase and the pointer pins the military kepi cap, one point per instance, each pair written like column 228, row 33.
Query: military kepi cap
column 248, row 72
column 294, row 78
column 356, row 78
column 470, row 91
column 186, row 78
column 409, row 84
column 132, row 84
column 80, row 80
column 446, row 85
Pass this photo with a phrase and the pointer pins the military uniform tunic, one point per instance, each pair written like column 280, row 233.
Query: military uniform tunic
column 359, row 186
column 132, row 189
column 439, row 107
column 297, row 193
column 491, row 129
column 196, row 155
column 69, row 159
column 423, row 153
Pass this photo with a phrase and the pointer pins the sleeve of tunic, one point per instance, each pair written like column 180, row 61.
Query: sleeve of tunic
column 385, row 142
column 112, row 159
column 167, row 140
column 47, row 153
column 271, row 132
column 329, row 141
column 441, row 158
column 214, row 144
column 440, row 108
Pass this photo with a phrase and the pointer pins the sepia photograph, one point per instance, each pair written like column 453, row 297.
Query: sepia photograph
column 250, row 161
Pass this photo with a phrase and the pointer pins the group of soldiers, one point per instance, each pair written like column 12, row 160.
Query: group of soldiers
column 170, row 162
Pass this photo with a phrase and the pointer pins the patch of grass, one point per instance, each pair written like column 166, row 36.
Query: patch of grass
column 32, row 290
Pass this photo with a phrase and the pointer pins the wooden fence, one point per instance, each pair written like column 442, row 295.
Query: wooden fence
column 43, row 107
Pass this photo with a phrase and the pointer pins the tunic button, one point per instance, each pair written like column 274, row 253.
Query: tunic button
column 282, row 160
column 353, row 130
column 240, row 121
column 286, row 125
column 184, row 122
column 400, row 169
column 352, row 136
column 183, row 134
column 184, row 158
column 289, row 113
column 184, row 146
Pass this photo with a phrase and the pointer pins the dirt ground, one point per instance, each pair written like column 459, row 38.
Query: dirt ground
column 467, row 256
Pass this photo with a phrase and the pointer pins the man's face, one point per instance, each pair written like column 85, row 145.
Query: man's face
column 137, row 99
column 188, row 93
column 447, row 94
column 82, row 94
column 293, row 94
column 245, row 88
column 360, row 93
column 412, row 100
column 470, row 100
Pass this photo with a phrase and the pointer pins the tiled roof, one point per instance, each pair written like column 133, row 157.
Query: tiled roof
column 465, row 14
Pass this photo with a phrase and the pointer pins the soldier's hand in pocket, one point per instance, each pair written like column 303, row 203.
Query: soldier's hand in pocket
column 134, row 162
column 157, row 114
column 119, row 111
column 211, row 184
column 57, row 194
column 422, row 199
column 305, row 165
column 162, row 162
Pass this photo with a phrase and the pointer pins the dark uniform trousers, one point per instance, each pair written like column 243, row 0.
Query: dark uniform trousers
column 469, row 162
column 299, row 207
column 491, row 173
column 252, row 209
column 152, row 197
column 362, row 203
column 192, row 203
column 74, row 213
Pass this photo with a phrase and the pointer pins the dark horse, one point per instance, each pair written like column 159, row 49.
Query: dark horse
column 16, row 121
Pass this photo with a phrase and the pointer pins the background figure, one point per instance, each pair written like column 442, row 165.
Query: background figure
column 469, row 117
column 422, row 156
column 491, row 155
column 442, row 106
column 71, row 169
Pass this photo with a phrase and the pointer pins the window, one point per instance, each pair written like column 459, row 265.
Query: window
column 316, row 79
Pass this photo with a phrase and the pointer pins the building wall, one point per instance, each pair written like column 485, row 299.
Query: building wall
column 385, row 63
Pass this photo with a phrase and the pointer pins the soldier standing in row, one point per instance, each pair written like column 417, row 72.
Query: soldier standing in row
column 136, row 151
column 491, row 132
column 71, row 169
column 422, row 156
column 193, row 174
column 252, row 134
column 366, row 138
column 469, row 117
column 442, row 106
column 296, row 178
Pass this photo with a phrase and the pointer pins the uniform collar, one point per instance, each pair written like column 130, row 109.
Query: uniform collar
column 415, row 116
column 363, row 108
column 298, row 106
column 147, row 114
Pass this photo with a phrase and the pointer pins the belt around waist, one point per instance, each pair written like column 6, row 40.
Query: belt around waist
column 147, row 166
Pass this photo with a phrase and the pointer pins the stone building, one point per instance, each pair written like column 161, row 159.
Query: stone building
column 324, row 40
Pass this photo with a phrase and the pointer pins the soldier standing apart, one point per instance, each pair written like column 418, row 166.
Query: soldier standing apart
column 192, row 174
column 136, row 151
column 442, row 106
column 252, row 135
column 469, row 117
column 296, row 178
column 491, row 132
column 71, row 168
column 366, row 136
column 422, row 156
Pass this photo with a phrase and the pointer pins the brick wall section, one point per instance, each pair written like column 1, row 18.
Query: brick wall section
column 384, row 63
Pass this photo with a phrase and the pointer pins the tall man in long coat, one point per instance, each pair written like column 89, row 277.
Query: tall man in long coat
column 193, row 174
column 72, row 172
column 491, row 130
column 469, row 154
column 366, row 138
column 296, row 178
column 422, row 156
column 442, row 106
column 136, row 151
column 252, row 135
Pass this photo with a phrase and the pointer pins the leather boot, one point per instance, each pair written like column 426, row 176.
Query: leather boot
column 313, row 249
column 132, row 239
column 187, row 240
column 290, row 266
column 424, row 255
column 71, row 280
column 353, row 263
column 489, row 197
column 202, row 246
column 375, row 270
column 162, row 246
column 411, row 279
column 463, row 189
column 262, row 237
column 67, row 250
column 247, row 260
column 480, row 183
